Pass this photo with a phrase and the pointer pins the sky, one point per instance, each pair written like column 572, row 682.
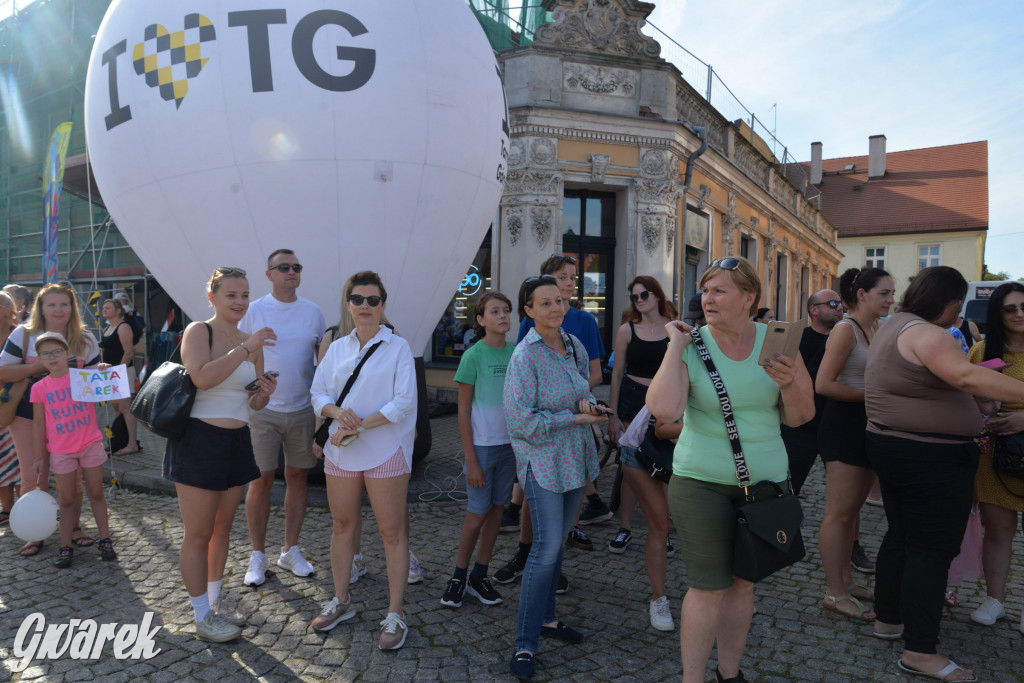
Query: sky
column 922, row 73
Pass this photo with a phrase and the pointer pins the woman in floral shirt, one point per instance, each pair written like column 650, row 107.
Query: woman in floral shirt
column 549, row 410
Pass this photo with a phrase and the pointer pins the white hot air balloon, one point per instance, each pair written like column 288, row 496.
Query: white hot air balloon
column 362, row 135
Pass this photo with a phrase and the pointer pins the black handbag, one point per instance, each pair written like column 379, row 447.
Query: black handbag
column 164, row 401
column 768, row 534
column 322, row 433
column 655, row 455
column 1008, row 455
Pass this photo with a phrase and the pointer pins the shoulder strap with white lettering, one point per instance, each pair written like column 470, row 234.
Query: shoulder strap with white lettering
column 742, row 471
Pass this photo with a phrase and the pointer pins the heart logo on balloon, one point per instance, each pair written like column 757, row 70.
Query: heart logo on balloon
column 168, row 60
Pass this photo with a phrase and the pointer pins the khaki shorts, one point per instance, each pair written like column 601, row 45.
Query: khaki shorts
column 271, row 430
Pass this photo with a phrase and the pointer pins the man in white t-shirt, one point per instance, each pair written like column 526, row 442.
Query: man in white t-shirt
column 288, row 419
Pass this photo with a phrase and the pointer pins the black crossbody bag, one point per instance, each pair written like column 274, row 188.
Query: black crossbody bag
column 321, row 436
column 767, row 530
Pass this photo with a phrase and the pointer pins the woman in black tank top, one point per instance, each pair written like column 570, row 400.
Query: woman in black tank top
column 640, row 345
column 117, row 349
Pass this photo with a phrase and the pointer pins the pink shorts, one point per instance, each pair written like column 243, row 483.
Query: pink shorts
column 395, row 466
column 92, row 455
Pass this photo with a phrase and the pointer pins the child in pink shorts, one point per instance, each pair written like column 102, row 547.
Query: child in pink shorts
column 66, row 433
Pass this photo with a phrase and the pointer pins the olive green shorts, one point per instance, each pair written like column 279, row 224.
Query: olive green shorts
column 704, row 515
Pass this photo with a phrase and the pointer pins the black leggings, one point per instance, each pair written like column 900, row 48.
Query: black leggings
column 927, row 490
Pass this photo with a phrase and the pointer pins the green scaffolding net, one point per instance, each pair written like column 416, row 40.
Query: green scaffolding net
column 509, row 24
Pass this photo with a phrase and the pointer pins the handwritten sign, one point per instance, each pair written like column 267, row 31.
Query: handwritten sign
column 94, row 386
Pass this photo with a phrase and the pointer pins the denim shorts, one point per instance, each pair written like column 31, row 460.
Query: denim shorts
column 210, row 458
column 499, row 466
column 627, row 457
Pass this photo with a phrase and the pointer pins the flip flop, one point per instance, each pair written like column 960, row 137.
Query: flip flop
column 881, row 635
column 83, row 541
column 942, row 674
column 31, row 548
column 125, row 451
column 861, row 614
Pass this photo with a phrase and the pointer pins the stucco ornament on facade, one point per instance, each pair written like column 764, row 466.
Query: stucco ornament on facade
column 702, row 198
column 650, row 230
column 598, row 80
column 732, row 221
column 541, row 223
column 543, row 152
column 599, row 166
column 514, row 224
column 611, row 26
column 516, row 154
column 530, row 181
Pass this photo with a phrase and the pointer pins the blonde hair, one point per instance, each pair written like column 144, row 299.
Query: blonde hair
column 223, row 273
column 7, row 300
column 744, row 276
column 78, row 342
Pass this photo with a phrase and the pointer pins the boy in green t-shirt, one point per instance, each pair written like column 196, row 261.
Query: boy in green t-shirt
column 490, row 463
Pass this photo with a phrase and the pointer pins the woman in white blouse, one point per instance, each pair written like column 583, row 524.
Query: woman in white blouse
column 376, row 422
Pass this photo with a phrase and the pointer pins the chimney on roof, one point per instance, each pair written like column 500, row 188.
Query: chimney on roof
column 815, row 163
column 876, row 156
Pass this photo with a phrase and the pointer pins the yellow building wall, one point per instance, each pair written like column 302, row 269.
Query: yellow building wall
column 961, row 250
column 580, row 151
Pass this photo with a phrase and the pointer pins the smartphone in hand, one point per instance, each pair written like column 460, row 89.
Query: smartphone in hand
column 781, row 338
column 255, row 384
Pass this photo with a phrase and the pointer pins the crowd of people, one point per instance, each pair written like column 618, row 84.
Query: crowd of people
column 894, row 398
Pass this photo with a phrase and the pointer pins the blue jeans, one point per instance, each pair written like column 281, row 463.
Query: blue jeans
column 552, row 515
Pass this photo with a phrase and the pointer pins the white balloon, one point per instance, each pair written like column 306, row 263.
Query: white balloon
column 34, row 517
column 362, row 135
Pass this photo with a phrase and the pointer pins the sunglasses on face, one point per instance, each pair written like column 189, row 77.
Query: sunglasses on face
column 227, row 271
column 284, row 267
column 53, row 355
column 358, row 299
column 1011, row 309
column 642, row 296
column 726, row 263
column 566, row 257
column 831, row 303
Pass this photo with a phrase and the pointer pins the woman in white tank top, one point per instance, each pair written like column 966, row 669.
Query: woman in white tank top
column 213, row 460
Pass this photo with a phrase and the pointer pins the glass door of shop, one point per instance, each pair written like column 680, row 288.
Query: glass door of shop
column 588, row 233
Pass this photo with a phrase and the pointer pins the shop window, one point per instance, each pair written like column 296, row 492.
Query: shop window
column 454, row 332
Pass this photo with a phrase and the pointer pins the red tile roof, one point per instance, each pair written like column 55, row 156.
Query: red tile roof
column 938, row 189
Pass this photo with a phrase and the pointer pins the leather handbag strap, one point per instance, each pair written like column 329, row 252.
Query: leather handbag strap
column 351, row 381
column 742, row 471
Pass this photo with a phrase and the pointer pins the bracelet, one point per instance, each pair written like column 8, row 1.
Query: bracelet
column 360, row 429
column 247, row 352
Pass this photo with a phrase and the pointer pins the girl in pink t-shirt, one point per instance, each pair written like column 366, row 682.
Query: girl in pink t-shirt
column 66, row 434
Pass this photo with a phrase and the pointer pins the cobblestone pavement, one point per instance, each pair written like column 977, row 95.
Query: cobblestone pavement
column 792, row 639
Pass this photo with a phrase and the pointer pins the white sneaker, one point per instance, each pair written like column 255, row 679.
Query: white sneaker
column 415, row 571
column 258, row 563
column 294, row 562
column 661, row 614
column 227, row 614
column 358, row 569
column 989, row 613
column 216, row 629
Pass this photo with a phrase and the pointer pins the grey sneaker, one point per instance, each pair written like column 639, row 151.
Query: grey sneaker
column 661, row 614
column 215, row 629
column 415, row 570
column 333, row 613
column 227, row 614
column 358, row 568
column 392, row 632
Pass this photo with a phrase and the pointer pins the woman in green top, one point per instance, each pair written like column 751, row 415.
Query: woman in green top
column 703, row 495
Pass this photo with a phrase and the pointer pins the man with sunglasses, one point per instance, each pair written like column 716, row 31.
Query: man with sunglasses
column 288, row 419
column 824, row 309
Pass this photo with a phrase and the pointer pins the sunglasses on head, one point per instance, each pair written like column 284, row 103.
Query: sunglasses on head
column 831, row 303
column 1010, row 308
column 358, row 299
column 566, row 257
column 726, row 263
column 541, row 280
column 642, row 296
column 227, row 271
column 284, row 267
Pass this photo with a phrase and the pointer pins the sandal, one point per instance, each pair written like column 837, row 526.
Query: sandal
column 31, row 548
column 126, row 451
column 4, row 518
column 942, row 674
column 862, row 611
column 82, row 540
column 862, row 593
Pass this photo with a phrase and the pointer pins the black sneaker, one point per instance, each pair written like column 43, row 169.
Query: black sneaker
column 64, row 556
column 595, row 515
column 621, row 541
column 514, row 569
column 579, row 539
column 107, row 549
column 859, row 559
column 453, row 593
column 563, row 585
column 482, row 590
column 509, row 520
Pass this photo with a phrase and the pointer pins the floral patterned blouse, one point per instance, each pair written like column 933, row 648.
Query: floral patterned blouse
column 542, row 394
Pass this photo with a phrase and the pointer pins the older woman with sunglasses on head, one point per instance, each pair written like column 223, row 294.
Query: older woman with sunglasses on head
column 55, row 310
column 640, row 346
column 370, row 448
column 704, row 495
column 212, row 461
column 549, row 410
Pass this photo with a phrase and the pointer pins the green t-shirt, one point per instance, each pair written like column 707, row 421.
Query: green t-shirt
column 484, row 367
column 703, row 450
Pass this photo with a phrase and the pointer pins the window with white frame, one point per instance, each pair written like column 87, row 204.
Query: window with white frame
column 927, row 256
column 874, row 257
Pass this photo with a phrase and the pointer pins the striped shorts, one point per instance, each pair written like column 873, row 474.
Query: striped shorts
column 395, row 466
